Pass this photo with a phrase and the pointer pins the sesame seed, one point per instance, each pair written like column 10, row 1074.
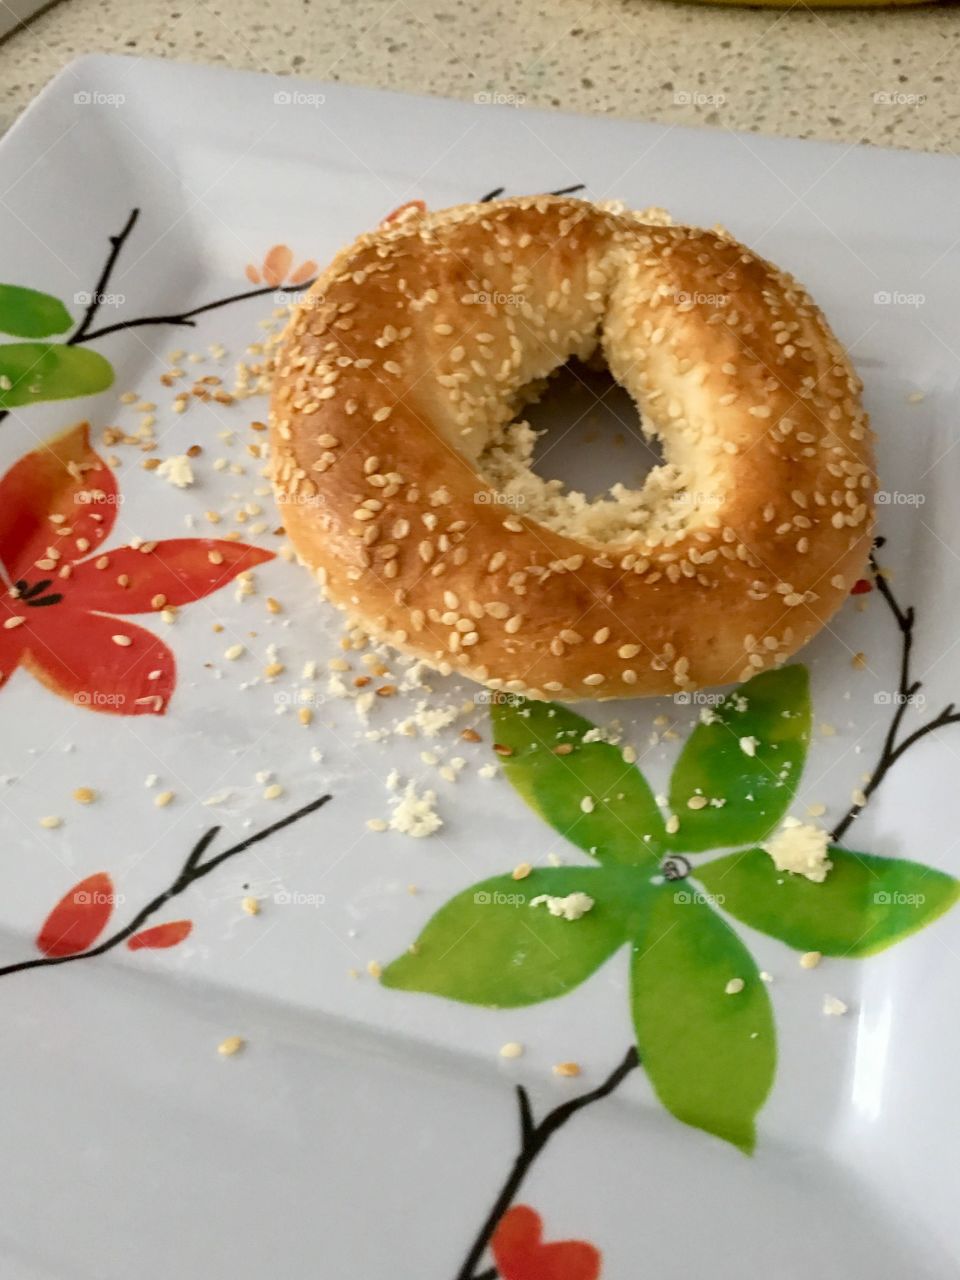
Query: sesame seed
column 162, row 799
column 51, row 823
column 511, row 1050
column 123, row 641
column 231, row 1046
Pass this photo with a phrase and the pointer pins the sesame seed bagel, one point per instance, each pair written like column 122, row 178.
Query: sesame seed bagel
column 396, row 460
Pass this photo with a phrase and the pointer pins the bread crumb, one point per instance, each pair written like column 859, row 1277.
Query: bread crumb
column 251, row 906
column 748, row 746
column 177, row 471
column 415, row 814
column 374, row 968
column 800, row 849
column 376, row 824
column 572, row 907
column 833, row 1007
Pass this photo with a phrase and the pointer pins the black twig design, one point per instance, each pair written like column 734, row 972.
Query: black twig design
column 80, row 334
column 194, row 868
column 907, row 689
column 85, row 333
column 533, row 1138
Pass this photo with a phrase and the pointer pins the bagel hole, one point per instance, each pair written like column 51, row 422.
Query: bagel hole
column 590, row 434
column 576, row 459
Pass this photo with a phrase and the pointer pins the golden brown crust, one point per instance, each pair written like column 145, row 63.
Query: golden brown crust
column 412, row 350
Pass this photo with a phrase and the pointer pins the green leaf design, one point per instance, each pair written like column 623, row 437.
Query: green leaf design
column 865, row 904
column 624, row 826
column 488, row 946
column 29, row 314
column 710, row 1056
column 774, row 710
column 49, row 371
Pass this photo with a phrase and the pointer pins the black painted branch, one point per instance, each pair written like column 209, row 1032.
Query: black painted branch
column 907, row 688
column 100, row 288
column 193, row 869
column 533, row 1138
column 187, row 318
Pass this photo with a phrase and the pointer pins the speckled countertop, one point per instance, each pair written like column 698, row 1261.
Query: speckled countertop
column 885, row 76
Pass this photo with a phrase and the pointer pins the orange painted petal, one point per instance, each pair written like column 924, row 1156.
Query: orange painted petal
column 276, row 264
column 63, row 477
column 520, row 1254
column 79, row 917
column 160, row 936
column 179, row 569
column 403, row 209
column 76, row 657
column 252, row 274
column 517, row 1236
column 306, row 271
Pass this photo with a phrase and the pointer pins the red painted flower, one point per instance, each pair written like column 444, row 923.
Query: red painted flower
column 79, row 917
column 520, row 1253
column 82, row 914
column 413, row 208
column 161, row 936
column 277, row 267
column 57, row 506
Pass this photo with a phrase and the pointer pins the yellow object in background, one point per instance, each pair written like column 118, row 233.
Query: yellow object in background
column 816, row 4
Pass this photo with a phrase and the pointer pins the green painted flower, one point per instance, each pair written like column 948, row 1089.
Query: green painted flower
column 710, row 1055
column 33, row 371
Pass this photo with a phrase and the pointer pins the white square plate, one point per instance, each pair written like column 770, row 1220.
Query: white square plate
column 364, row 1132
